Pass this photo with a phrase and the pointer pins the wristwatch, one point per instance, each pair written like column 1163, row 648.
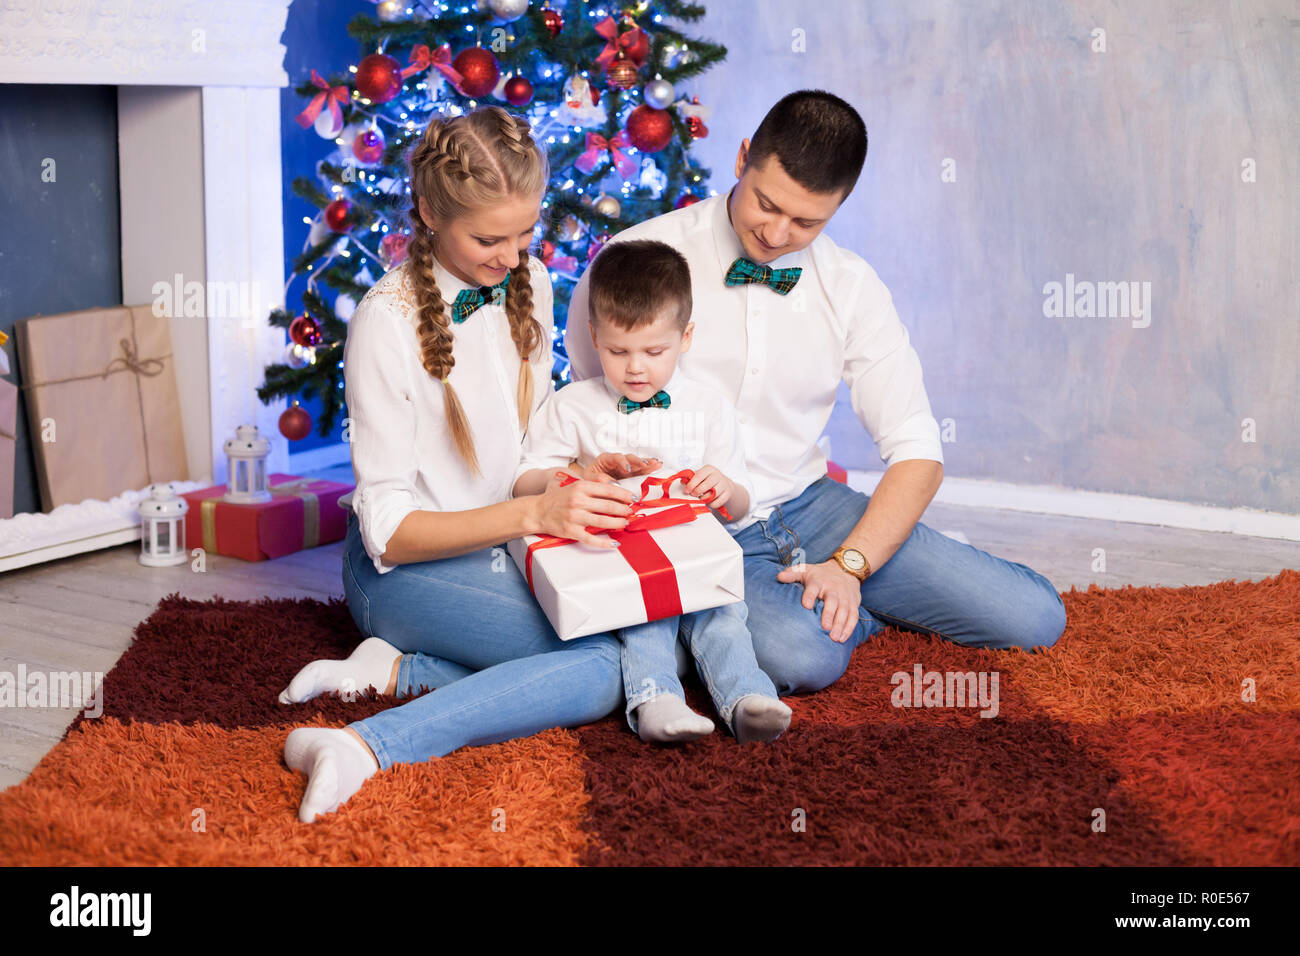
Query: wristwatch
column 853, row 561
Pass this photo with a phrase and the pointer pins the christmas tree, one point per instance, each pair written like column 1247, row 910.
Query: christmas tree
column 599, row 85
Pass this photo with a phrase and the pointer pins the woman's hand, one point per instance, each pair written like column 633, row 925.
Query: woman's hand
column 840, row 593
column 611, row 466
column 566, row 511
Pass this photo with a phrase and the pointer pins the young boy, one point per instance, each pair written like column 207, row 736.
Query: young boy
column 645, row 408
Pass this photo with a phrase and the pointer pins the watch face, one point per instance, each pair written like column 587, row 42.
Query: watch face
column 854, row 559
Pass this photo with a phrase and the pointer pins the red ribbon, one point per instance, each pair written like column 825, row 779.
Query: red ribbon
column 613, row 42
column 597, row 144
column 328, row 94
column 658, row 578
column 440, row 59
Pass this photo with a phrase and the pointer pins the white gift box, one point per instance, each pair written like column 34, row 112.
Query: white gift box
column 585, row 590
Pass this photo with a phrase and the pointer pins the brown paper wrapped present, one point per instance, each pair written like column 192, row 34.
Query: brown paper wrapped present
column 106, row 378
column 8, row 438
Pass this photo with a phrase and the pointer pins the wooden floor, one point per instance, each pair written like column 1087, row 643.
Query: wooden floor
column 79, row 613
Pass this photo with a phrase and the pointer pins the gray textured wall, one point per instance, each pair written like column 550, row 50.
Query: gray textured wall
column 1123, row 165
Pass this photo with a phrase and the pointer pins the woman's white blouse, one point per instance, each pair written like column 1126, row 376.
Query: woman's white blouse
column 403, row 455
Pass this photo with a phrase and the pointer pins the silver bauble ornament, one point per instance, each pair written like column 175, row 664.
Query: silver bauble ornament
column 659, row 93
column 508, row 10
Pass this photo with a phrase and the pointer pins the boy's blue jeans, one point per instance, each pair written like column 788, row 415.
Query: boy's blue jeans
column 724, row 655
column 932, row 584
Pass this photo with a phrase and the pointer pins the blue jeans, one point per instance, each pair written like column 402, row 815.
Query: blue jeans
column 470, row 627
column 932, row 585
column 724, row 656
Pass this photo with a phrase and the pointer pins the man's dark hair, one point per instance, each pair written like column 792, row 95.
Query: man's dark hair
column 819, row 139
column 631, row 282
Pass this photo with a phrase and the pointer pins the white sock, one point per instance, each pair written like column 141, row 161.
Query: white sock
column 336, row 765
column 667, row 720
column 370, row 664
column 761, row 718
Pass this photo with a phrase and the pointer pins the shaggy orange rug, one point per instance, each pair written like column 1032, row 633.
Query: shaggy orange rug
column 1133, row 741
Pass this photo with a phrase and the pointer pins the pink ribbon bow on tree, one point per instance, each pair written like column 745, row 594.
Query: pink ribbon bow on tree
column 597, row 144
column 328, row 94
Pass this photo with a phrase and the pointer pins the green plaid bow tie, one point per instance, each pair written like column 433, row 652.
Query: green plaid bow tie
column 659, row 399
column 743, row 270
column 469, row 300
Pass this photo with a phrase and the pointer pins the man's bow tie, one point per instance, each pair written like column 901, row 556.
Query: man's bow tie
column 743, row 271
column 469, row 300
column 659, row 399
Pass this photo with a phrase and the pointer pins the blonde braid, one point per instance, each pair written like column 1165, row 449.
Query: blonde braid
column 460, row 165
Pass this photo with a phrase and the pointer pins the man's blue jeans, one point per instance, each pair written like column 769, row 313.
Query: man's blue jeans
column 469, row 626
column 932, row 584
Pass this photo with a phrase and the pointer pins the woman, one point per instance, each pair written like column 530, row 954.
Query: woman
column 446, row 359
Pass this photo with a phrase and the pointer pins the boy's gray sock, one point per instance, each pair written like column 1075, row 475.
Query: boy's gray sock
column 667, row 720
column 759, row 718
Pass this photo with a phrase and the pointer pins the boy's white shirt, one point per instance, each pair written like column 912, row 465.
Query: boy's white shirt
column 582, row 420
column 779, row 359
column 403, row 455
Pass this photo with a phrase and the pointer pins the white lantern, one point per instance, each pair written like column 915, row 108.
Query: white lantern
column 162, row 528
column 246, row 466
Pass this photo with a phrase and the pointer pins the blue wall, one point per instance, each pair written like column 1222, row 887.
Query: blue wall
column 60, row 242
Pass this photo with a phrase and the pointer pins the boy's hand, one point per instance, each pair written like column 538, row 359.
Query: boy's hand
column 610, row 466
column 709, row 479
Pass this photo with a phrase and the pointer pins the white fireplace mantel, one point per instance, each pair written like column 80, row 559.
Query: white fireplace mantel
column 199, row 171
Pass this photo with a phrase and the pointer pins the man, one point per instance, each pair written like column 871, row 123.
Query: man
column 782, row 315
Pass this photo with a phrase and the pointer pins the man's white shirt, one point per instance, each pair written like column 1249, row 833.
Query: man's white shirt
column 403, row 455
column 779, row 359
column 582, row 420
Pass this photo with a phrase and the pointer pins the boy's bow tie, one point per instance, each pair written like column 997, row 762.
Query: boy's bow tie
column 659, row 399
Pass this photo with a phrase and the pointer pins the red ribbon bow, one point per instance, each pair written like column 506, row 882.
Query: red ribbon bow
column 440, row 59
column 658, row 578
column 613, row 42
column 597, row 144
column 334, row 95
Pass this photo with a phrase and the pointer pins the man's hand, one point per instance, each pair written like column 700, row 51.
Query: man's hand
column 610, row 466
column 839, row 591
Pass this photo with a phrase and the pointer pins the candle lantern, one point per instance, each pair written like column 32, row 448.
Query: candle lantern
column 246, row 466
column 162, row 527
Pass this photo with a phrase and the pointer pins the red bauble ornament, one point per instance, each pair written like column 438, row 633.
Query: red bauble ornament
column 548, row 250
column 478, row 70
column 336, row 214
column 368, row 147
column 686, row 200
column 649, row 129
column 519, row 92
column 379, row 77
column 553, row 21
column 305, row 331
column 697, row 127
column 295, row 423
column 621, row 74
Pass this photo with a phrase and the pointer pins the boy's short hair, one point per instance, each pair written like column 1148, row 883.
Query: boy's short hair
column 631, row 282
column 819, row 139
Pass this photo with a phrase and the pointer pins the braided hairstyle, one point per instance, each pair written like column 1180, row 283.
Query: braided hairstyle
column 461, row 165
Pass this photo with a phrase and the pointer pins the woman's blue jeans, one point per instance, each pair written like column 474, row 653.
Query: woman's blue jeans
column 470, row 627
column 932, row 584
